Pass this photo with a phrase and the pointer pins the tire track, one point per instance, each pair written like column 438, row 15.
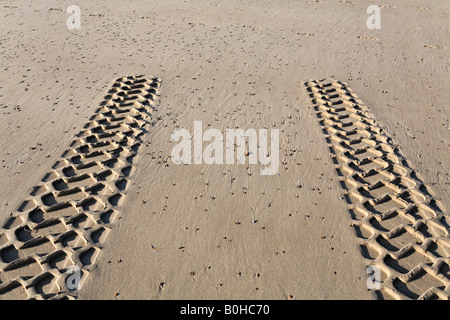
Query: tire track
column 70, row 212
column 402, row 228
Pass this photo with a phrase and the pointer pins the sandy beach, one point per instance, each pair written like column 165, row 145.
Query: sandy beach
column 354, row 207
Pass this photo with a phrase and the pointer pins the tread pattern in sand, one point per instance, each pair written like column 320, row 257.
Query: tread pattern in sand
column 68, row 215
column 402, row 228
